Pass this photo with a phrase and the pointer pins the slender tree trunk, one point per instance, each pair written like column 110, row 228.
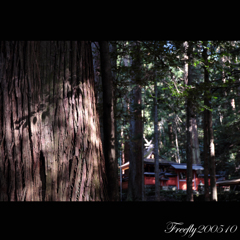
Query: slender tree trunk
column 132, row 162
column 98, row 85
column 212, row 161
column 195, row 147
column 189, row 153
column 163, row 135
column 176, row 141
column 49, row 131
column 233, row 103
column 113, row 50
column 188, row 81
column 206, row 154
column 136, row 161
column 139, row 144
column 238, row 96
column 143, row 185
column 108, row 123
column 159, row 136
column 210, row 139
column 225, row 106
column 156, row 134
column 206, row 127
column 171, row 141
column 170, row 132
column 126, row 150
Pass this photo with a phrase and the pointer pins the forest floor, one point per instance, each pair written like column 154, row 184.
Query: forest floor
column 162, row 198
column 151, row 198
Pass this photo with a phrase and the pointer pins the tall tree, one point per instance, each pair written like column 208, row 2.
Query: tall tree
column 156, row 135
column 206, row 124
column 136, row 134
column 108, row 122
column 212, row 160
column 195, row 145
column 98, row 84
column 49, row 129
column 176, row 139
column 209, row 146
column 113, row 50
column 170, row 134
column 188, row 81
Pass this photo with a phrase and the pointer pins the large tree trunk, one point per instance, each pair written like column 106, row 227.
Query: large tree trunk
column 49, row 129
column 108, row 123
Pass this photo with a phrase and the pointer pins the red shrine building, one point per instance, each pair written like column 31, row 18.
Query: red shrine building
column 171, row 174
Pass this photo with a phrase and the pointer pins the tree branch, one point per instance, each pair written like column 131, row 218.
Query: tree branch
column 216, row 88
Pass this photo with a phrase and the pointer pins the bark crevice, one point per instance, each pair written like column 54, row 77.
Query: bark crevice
column 42, row 174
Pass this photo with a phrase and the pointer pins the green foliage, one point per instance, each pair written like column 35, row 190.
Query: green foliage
column 164, row 60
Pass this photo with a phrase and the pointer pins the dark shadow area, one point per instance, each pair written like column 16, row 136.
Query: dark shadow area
column 34, row 120
column 42, row 174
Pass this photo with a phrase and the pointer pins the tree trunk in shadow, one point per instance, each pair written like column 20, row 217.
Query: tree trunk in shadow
column 108, row 123
column 206, row 127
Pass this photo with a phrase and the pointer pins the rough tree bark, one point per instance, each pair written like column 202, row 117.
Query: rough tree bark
column 50, row 146
column 108, row 123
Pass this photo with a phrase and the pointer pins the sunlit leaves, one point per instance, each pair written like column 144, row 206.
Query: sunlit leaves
column 196, row 62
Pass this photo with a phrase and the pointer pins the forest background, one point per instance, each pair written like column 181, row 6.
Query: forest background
column 188, row 95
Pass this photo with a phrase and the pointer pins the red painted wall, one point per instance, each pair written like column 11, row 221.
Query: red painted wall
column 149, row 180
column 171, row 182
